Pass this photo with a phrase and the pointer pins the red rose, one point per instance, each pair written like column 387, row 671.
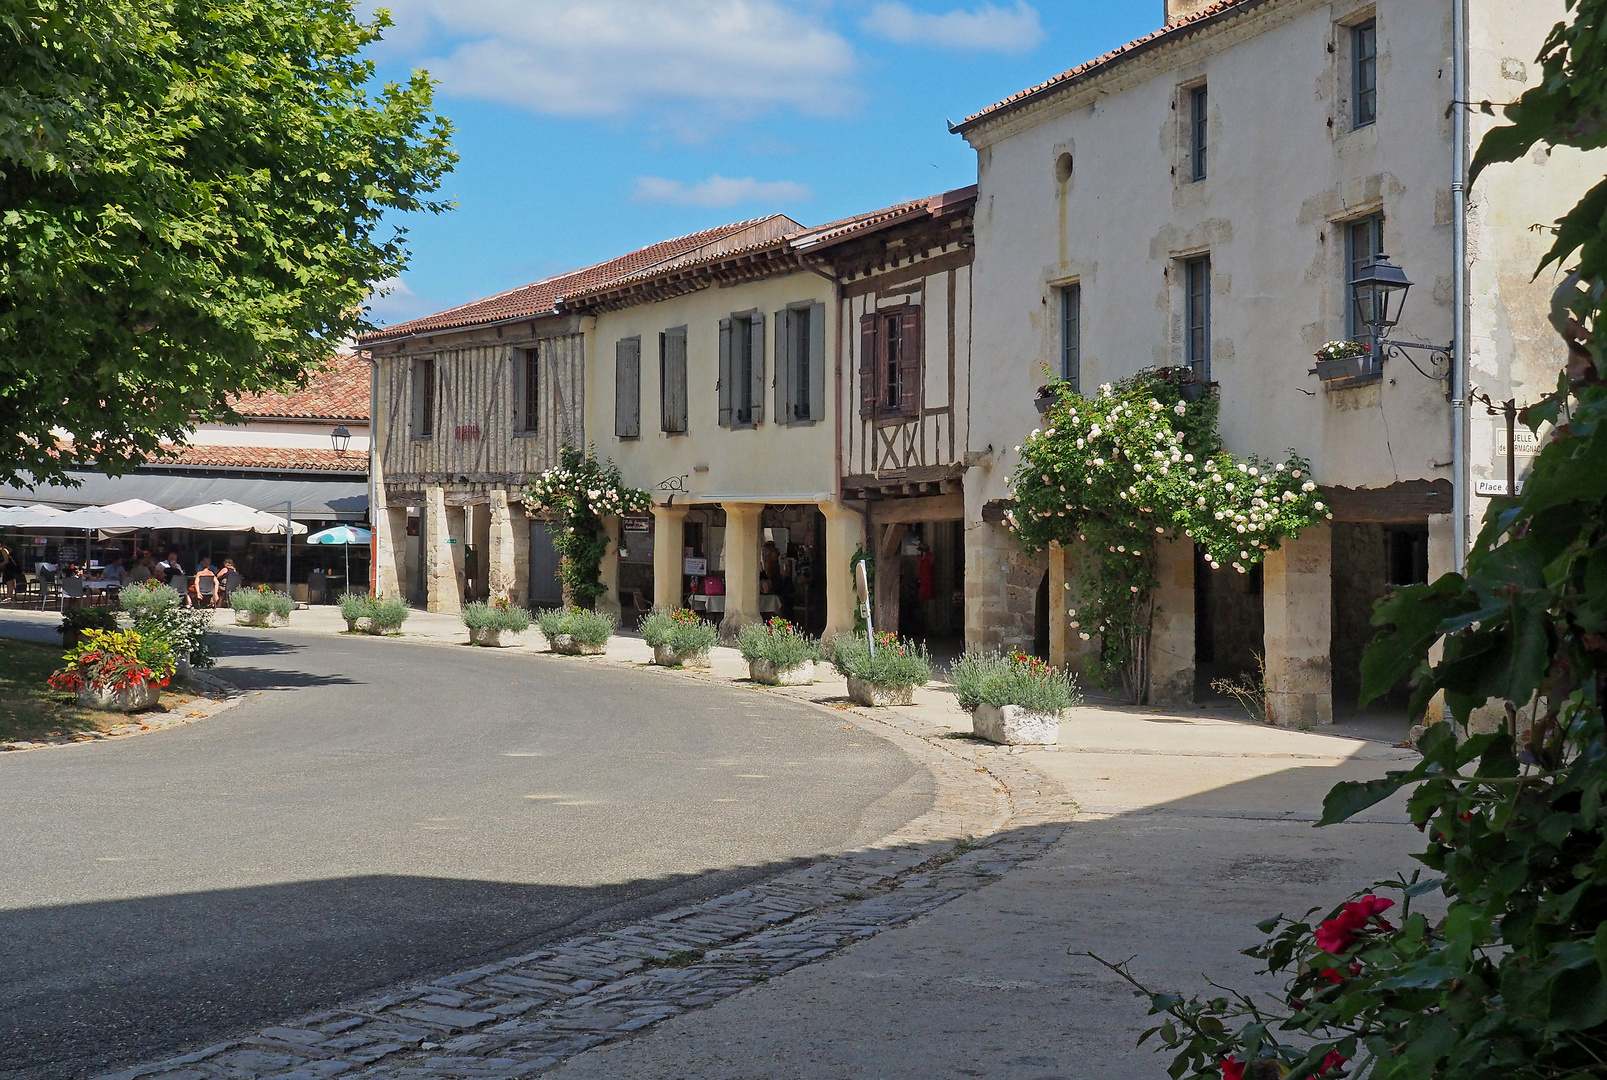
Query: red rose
column 1232, row 1068
column 1333, row 1061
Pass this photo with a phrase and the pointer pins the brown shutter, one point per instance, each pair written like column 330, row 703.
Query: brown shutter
column 909, row 362
column 869, row 354
column 725, row 373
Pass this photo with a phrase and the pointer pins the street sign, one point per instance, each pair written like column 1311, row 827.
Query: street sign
column 1494, row 488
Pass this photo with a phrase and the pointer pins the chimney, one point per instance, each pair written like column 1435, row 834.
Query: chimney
column 1178, row 10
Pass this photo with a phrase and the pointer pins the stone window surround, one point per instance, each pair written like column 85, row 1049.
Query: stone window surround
column 1341, row 47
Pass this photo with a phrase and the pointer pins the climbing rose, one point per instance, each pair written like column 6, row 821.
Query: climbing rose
column 1232, row 1068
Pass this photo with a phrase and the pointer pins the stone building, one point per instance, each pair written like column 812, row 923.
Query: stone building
column 1215, row 195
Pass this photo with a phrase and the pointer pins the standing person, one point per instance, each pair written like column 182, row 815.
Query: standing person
column 10, row 573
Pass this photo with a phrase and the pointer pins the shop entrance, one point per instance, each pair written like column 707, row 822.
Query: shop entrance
column 920, row 581
column 1229, row 626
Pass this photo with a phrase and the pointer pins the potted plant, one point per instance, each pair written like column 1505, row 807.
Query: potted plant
column 149, row 599
column 118, row 670
column 157, row 612
column 500, row 624
column 75, row 621
column 1015, row 699
column 679, row 638
column 1341, row 363
column 385, row 615
column 885, row 675
column 778, row 653
column 261, row 606
column 354, row 609
column 576, row 631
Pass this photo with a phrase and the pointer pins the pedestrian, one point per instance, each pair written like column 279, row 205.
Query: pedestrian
column 10, row 573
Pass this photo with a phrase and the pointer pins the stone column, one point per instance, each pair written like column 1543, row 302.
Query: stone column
column 390, row 550
column 741, row 568
column 845, row 531
column 443, row 560
column 1171, row 639
column 1298, row 601
column 499, row 550
column 669, row 540
column 609, row 570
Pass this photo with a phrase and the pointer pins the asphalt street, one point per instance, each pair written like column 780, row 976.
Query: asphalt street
column 378, row 811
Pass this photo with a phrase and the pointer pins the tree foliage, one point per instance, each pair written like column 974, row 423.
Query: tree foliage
column 1512, row 982
column 192, row 196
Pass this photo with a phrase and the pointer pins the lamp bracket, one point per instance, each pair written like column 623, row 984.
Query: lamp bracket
column 1439, row 356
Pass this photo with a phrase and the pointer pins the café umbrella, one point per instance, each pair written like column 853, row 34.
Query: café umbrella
column 345, row 535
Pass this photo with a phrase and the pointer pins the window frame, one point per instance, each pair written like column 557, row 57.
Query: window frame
column 425, row 376
column 1363, row 62
column 1199, row 121
column 527, row 387
column 1374, row 223
column 742, row 380
column 1197, row 315
column 902, row 370
column 800, row 337
column 1071, row 334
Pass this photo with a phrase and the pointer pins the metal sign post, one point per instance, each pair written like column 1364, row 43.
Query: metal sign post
column 862, row 587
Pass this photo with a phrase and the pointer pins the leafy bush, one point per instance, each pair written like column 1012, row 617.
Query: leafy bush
column 895, row 662
column 585, row 627
column 779, row 642
column 683, row 632
column 656, row 627
column 184, row 629
column 387, row 613
column 96, row 617
column 498, row 615
column 1017, row 679
column 147, row 598
column 263, row 601
column 354, row 606
column 114, row 660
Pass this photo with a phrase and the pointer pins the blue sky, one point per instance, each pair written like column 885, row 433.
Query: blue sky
column 588, row 128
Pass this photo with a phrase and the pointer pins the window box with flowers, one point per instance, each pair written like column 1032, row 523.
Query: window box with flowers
column 1013, row 700
column 1341, row 364
column 116, row 670
column 679, row 638
column 883, row 676
column 778, row 653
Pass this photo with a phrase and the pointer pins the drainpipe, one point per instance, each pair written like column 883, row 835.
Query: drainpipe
column 1459, row 347
column 373, row 488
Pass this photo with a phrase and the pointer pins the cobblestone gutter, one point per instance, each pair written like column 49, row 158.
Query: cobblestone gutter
column 517, row 1017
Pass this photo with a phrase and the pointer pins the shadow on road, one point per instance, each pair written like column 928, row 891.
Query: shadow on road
column 243, row 645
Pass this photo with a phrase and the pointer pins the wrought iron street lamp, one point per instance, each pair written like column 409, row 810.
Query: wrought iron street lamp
column 341, row 438
column 1379, row 294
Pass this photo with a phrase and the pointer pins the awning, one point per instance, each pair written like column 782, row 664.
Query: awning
column 311, row 499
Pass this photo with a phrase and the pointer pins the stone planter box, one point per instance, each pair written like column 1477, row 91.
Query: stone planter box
column 664, row 656
column 139, row 696
column 878, row 697
column 248, row 618
column 497, row 639
column 567, row 645
column 369, row 628
column 764, row 671
column 1347, row 371
column 357, row 626
column 1013, row 725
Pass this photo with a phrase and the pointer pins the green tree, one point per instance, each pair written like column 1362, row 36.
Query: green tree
column 192, row 204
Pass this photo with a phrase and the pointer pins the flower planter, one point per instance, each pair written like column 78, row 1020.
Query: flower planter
column 140, row 695
column 1346, row 371
column 876, row 696
column 764, row 671
column 70, row 639
column 497, row 639
column 252, row 618
column 1043, row 403
column 664, row 656
column 1013, row 725
column 358, row 625
column 568, row 646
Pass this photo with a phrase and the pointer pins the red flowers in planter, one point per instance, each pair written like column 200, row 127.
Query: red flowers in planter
column 1340, row 932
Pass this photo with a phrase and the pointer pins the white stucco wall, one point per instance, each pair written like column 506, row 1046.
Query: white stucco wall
column 309, row 435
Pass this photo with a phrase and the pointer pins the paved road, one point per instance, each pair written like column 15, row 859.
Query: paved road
column 382, row 811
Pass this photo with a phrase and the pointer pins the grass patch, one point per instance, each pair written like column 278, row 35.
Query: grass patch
column 30, row 710
column 680, row 958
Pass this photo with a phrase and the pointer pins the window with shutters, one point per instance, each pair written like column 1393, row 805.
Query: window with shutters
column 527, row 392
column 628, row 388
column 890, row 364
column 424, row 397
column 672, row 380
column 742, row 379
column 801, row 363
column 1364, row 242
column 1197, row 316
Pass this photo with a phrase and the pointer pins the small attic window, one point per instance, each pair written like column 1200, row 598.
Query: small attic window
column 1063, row 168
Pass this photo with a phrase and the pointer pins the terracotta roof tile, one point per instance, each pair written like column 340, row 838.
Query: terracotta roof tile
column 339, row 392
column 1182, row 26
column 263, row 457
column 843, row 228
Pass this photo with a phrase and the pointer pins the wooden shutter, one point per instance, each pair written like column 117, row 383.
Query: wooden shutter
column 786, row 364
column 758, row 386
column 516, row 388
column 869, row 354
column 672, row 379
column 725, row 373
column 909, row 362
column 817, row 363
column 628, row 388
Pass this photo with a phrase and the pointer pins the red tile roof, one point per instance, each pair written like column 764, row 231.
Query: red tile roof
column 1182, row 27
column 833, row 231
column 263, row 457
column 339, row 392
column 542, row 297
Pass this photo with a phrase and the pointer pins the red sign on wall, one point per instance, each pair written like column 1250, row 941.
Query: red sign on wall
column 466, row 432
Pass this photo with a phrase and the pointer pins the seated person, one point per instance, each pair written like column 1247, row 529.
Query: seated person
column 204, row 574
column 113, row 571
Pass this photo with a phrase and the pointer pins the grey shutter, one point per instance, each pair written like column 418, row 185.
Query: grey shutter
column 516, row 389
column 817, row 363
column 785, row 382
column 417, row 395
column 757, row 387
column 628, row 388
column 672, row 379
column 725, row 373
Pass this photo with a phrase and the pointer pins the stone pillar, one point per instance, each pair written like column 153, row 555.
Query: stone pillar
column 499, row 550
column 741, row 568
column 1171, row 638
column 443, row 561
column 669, row 540
column 1001, row 589
column 1298, row 600
column 609, row 569
column 390, row 551
column 845, row 531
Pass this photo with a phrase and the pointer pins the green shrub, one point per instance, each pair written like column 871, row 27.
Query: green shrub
column 387, row 614
column 354, row 606
column 263, row 601
column 693, row 637
column 656, row 627
column 585, row 627
column 96, row 617
column 895, row 663
column 499, row 615
column 1017, row 679
column 779, row 642
column 147, row 598
column 184, row 629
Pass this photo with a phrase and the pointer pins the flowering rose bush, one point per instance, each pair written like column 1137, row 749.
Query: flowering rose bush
column 575, row 496
column 1110, row 475
column 114, row 660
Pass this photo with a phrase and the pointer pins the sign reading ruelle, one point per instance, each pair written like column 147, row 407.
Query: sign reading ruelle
column 466, row 432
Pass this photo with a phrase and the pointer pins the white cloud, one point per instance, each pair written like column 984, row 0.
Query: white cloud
column 391, row 301
column 986, row 28
column 718, row 191
column 596, row 58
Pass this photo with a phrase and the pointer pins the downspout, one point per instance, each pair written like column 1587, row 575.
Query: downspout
column 1459, row 336
column 373, row 487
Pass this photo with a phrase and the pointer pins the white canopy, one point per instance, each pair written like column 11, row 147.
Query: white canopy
column 36, row 516
column 103, row 519
column 226, row 516
column 130, row 507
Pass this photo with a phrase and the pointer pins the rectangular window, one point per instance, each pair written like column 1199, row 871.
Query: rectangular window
column 1364, row 72
column 1197, row 133
column 424, row 397
column 1071, row 335
column 801, row 362
column 1364, row 241
column 628, row 388
column 672, row 380
column 527, row 391
column 890, row 364
column 1197, row 285
column 742, row 369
